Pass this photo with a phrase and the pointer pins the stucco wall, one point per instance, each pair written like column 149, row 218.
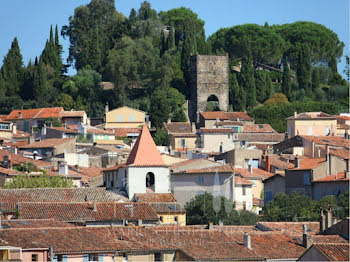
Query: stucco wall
column 275, row 184
column 318, row 127
column 210, row 142
column 238, row 157
column 240, row 198
column 322, row 189
column 27, row 255
column 124, row 120
column 170, row 219
column 175, row 142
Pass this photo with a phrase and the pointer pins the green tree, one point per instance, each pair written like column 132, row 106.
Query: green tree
column 65, row 101
column 12, row 69
column 315, row 79
column 188, row 49
column 236, row 94
column 42, row 181
column 276, row 98
column 160, row 109
column 146, row 12
column 268, row 90
column 347, row 67
column 202, row 209
column 246, row 77
column 260, row 85
column 2, row 86
column 304, row 68
column 40, row 82
column 160, row 137
column 286, row 82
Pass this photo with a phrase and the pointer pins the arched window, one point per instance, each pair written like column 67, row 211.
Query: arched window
column 150, row 180
column 213, row 103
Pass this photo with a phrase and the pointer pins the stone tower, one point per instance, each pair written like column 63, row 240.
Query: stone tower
column 209, row 82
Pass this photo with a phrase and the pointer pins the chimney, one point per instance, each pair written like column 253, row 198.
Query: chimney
column 35, row 155
column 307, row 241
column 295, row 114
column 267, row 163
column 16, row 149
column 139, row 223
column 322, row 222
column 19, row 114
column 169, row 120
column 95, row 206
column 106, row 107
column 328, row 157
column 246, row 240
column 63, row 168
column 329, row 217
column 211, row 225
column 193, row 127
column 30, row 140
column 313, row 149
column 221, row 224
column 14, row 129
column 250, row 168
column 5, row 160
column 297, row 162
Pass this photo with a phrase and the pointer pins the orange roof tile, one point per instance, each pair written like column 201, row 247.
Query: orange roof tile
column 335, row 251
column 41, row 113
column 155, row 197
column 18, row 159
column 217, row 130
column 73, row 113
column 339, row 177
column 226, row 115
column 257, row 173
column 66, row 130
column 340, row 152
column 329, row 140
column 125, row 131
column 220, row 169
column 309, row 163
column 48, row 143
column 145, row 152
column 258, row 128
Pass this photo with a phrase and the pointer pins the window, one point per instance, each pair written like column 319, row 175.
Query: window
column 228, row 136
column 326, row 131
column 309, row 131
column 119, row 118
column 105, row 137
column 201, row 180
column 176, row 219
column 244, row 205
column 220, row 149
column 255, row 163
column 183, row 143
column 158, row 257
column 161, row 218
column 306, row 179
column 5, row 126
column 61, row 258
column 125, row 257
column 243, row 191
column 150, row 180
column 131, row 118
column 35, row 257
column 268, row 196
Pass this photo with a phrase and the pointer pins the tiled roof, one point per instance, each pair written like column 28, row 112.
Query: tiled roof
column 9, row 171
column 272, row 245
column 99, row 131
column 260, row 137
column 258, row 128
column 217, row 130
column 65, row 130
column 220, row 169
column 18, row 159
column 229, row 123
column 73, row 113
column 72, row 212
column 319, row 239
column 294, row 229
column 257, row 173
column 334, row 252
column 234, row 116
column 168, row 208
column 178, row 127
column 37, row 113
column 312, row 115
column 58, row 195
column 3, row 117
column 329, row 140
column 242, row 181
column 20, row 134
column 125, row 131
column 33, row 223
column 48, row 143
column 340, row 152
column 145, row 152
column 309, row 163
column 155, row 197
column 339, row 177
column 277, row 161
column 113, row 168
column 342, row 117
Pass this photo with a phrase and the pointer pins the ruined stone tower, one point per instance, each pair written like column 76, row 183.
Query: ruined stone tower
column 209, row 82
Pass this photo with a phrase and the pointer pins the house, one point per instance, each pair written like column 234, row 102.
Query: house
column 330, row 185
column 11, row 136
column 50, row 147
column 242, row 157
column 144, row 169
column 181, row 135
column 326, row 252
column 311, row 124
column 72, row 118
column 216, row 180
column 210, row 119
column 60, row 132
column 273, row 185
column 90, row 213
column 126, row 117
column 218, row 140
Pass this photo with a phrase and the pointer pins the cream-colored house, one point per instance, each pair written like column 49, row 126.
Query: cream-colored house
column 126, row 117
column 311, row 124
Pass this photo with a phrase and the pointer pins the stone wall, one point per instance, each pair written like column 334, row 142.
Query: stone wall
column 209, row 76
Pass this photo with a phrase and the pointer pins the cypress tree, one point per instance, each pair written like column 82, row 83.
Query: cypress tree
column 163, row 43
column 286, row 84
column 171, row 38
column 260, row 85
column 57, row 40
column 2, row 86
column 268, row 90
column 12, row 69
column 40, row 81
column 304, row 69
column 315, row 77
column 51, row 36
column 188, row 48
column 236, row 94
column 246, row 77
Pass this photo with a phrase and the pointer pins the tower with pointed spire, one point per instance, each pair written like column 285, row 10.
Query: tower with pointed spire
column 144, row 171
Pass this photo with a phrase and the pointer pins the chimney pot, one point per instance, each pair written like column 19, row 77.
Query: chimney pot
column 246, row 240
column 139, row 223
column 250, row 168
column 95, row 206
column 295, row 114
column 211, row 225
column 106, row 107
column 297, row 162
column 322, row 222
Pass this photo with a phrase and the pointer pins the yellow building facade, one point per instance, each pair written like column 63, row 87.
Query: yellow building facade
column 126, row 117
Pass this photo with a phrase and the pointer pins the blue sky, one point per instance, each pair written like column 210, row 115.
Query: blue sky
column 30, row 20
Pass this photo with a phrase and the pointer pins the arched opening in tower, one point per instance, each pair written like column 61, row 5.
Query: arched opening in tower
column 150, row 180
column 212, row 103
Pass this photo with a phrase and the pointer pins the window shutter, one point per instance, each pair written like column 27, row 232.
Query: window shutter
column 64, row 258
column 100, row 257
column 54, row 258
column 86, row 258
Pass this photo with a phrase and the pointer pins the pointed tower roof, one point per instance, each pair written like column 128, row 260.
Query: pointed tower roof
column 145, row 152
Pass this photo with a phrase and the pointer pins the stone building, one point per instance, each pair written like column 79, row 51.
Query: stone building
column 209, row 82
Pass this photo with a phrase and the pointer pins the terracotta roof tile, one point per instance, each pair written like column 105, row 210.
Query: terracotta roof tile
column 178, row 127
column 334, row 252
column 65, row 130
column 294, row 229
column 217, row 130
column 18, row 159
column 258, row 128
column 220, row 169
column 319, row 239
column 277, row 161
column 260, row 137
column 33, row 223
column 257, row 173
column 226, row 116
column 125, row 131
column 155, row 197
column 20, row 134
column 48, row 143
column 339, row 177
column 9, row 171
column 99, row 131
column 145, row 152
column 229, row 123
column 84, row 211
column 73, row 113
column 37, row 113
column 336, row 141
column 309, row 163
column 312, row 115
column 168, row 208
column 340, row 152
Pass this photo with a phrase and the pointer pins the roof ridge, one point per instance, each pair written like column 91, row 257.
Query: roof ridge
column 39, row 112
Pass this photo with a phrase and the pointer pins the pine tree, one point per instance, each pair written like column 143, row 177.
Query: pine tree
column 2, row 86
column 12, row 69
column 286, row 83
column 315, row 77
column 246, row 77
column 304, row 69
column 236, row 94
column 40, row 81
